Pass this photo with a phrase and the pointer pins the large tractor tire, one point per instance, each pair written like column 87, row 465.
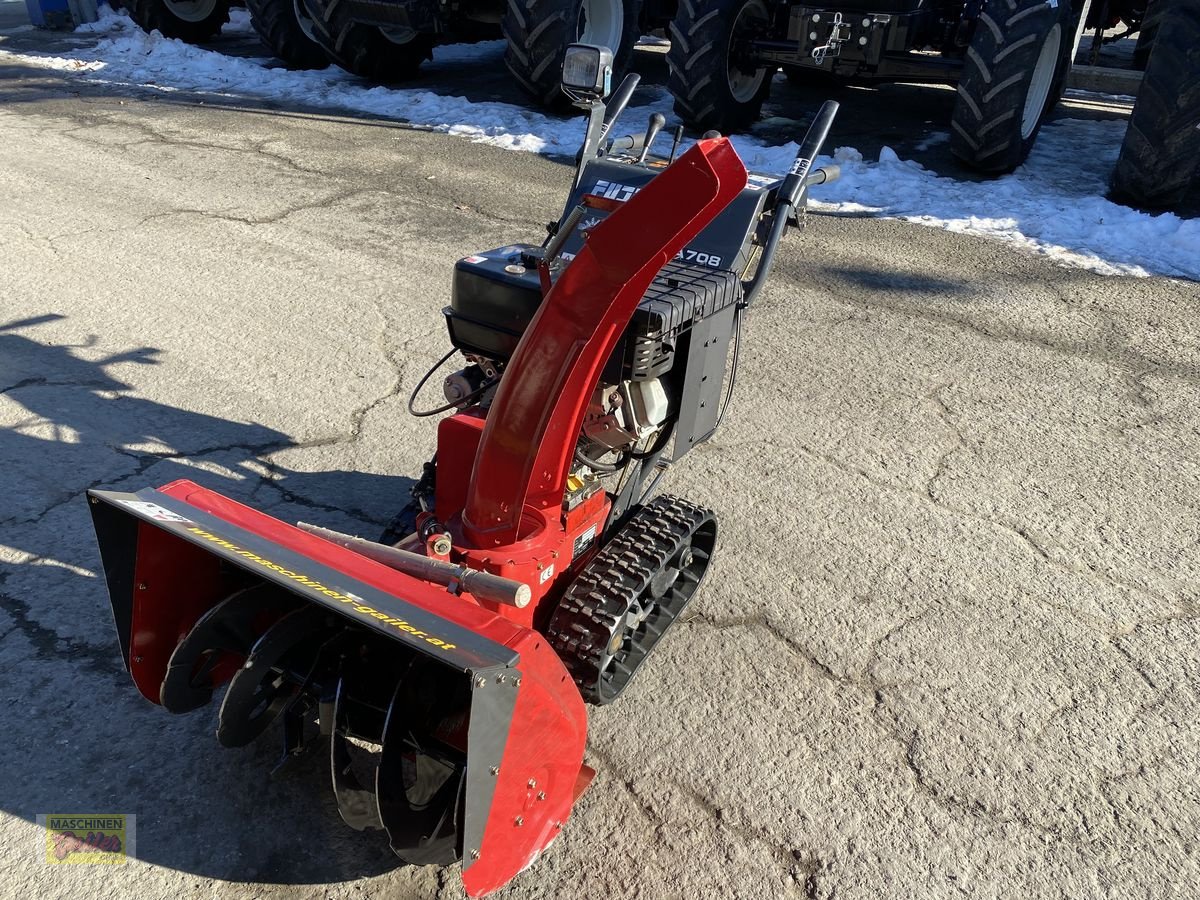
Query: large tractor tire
column 286, row 29
column 538, row 32
column 1159, row 165
column 714, row 79
column 385, row 55
column 1013, row 76
column 1147, row 31
column 188, row 20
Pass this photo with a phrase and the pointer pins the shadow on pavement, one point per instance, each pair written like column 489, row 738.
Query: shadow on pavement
column 78, row 737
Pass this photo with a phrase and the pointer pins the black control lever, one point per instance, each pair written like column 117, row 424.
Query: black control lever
column 657, row 122
column 675, row 142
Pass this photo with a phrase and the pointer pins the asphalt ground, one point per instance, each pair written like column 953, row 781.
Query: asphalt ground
column 949, row 643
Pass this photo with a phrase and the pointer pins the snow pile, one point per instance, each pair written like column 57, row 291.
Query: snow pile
column 1053, row 205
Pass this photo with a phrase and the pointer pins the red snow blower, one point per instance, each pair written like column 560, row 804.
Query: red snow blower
column 449, row 667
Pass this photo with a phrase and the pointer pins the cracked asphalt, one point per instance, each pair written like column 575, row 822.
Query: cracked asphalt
column 949, row 646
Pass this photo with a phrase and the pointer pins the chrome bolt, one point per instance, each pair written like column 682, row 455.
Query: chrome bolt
column 862, row 41
column 541, row 795
column 141, row 585
column 495, row 770
column 816, row 17
column 480, row 682
column 500, row 679
column 474, row 854
column 866, row 24
column 519, row 821
column 532, row 783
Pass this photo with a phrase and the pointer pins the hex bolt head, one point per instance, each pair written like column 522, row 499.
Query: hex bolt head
column 866, row 24
column 816, row 17
column 862, row 41
column 519, row 821
column 495, row 770
column 541, row 795
column 532, row 783
column 474, row 854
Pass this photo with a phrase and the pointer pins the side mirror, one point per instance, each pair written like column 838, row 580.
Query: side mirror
column 587, row 72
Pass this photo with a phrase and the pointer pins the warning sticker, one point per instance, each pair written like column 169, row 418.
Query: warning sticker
column 584, row 541
column 154, row 511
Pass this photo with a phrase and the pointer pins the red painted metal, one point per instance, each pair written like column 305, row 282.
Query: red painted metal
column 529, row 439
column 164, row 606
column 541, row 768
column 462, row 610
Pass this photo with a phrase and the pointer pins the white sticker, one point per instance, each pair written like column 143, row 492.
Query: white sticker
column 476, row 259
column 154, row 511
column 547, row 574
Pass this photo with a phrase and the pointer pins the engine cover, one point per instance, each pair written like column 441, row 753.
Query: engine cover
column 495, row 296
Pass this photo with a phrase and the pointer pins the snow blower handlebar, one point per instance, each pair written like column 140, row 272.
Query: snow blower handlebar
column 793, row 193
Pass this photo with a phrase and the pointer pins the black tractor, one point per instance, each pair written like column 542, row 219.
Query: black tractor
column 1008, row 59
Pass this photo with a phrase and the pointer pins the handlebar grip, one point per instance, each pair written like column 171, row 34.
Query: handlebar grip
column 824, row 175
column 619, row 101
column 628, row 142
column 796, row 180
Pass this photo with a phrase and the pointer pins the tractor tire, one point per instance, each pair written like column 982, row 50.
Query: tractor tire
column 538, row 32
column 368, row 51
column 286, row 30
column 1013, row 76
column 1159, row 165
column 1147, row 31
column 714, row 82
column 188, row 20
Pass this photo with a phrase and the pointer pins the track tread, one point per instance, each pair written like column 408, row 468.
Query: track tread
column 597, row 600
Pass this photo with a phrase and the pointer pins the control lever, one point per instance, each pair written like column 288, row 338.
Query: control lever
column 657, row 122
column 675, row 143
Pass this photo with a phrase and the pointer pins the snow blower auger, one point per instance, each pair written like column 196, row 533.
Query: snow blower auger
column 449, row 669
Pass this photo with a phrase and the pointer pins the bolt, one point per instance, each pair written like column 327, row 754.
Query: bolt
column 862, row 41
column 816, row 17
column 516, row 682
column 480, row 682
column 812, row 35
column 558, row 825
column 94, row 500
column 141, row 585
column 532, row 783
column 137, row 659
column 519, row 821
column 866, row 24
column 474, row 854
column 500, row 679
column 495, row 770
column 541, row 795
column 686, row 559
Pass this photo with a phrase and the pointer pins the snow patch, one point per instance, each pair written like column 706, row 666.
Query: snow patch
column 1054, row 205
